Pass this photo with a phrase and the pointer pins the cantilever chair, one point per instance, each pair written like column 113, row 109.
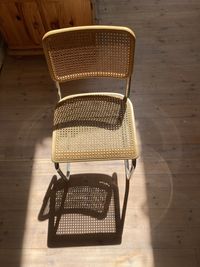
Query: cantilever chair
column 92, row 126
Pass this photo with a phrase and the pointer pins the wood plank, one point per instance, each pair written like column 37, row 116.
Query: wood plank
column 111, row 257
column 198, row 255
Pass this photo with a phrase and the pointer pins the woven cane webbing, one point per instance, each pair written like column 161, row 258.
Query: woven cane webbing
column 97, row 126
column 77, row 223
column 89, row 51
column 90, row 205
column 83, row 197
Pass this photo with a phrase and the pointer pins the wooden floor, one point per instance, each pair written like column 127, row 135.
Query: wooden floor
column 162, row 226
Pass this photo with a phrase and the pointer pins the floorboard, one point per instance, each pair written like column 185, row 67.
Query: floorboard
column 162, row 226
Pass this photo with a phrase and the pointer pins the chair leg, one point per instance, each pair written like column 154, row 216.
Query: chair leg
column 68, row 171
column 65, row 177
column 59, row 91
column 129, row 169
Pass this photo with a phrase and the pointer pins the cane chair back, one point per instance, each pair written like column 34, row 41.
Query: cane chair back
column 89, row 51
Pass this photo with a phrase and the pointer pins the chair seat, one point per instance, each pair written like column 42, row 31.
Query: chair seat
column 95, row 126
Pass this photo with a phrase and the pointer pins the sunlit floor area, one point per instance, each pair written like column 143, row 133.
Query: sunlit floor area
column 162, row 223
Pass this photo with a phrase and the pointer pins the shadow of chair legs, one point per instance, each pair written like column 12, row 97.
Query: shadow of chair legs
column 84, row 210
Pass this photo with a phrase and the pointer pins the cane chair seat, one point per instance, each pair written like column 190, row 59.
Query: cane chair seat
column 94, row 126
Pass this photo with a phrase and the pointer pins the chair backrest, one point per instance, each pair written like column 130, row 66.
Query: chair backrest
column 89, row 51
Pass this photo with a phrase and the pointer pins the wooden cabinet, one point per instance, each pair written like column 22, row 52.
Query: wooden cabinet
column 24, row 22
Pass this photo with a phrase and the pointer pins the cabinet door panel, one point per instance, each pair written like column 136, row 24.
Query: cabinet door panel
column 66, row 13
column 33, row 22
column 21, row 24
column 81, row 12
column 12, row 25
column 24, row 22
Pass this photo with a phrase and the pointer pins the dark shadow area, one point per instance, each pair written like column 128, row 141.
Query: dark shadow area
column 84, row 210
column 27, row 96
column 27, row 99
column 92, row 110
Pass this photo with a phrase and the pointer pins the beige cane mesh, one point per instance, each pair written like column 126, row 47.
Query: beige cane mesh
column 93, row 51
column 94, row 127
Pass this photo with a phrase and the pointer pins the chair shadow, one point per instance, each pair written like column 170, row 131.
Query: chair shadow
column 94, row 110
column 84, row 211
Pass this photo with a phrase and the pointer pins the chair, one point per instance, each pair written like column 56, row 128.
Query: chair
column 92, row 126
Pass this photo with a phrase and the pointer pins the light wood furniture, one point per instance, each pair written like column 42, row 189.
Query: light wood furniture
column 24, row 22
